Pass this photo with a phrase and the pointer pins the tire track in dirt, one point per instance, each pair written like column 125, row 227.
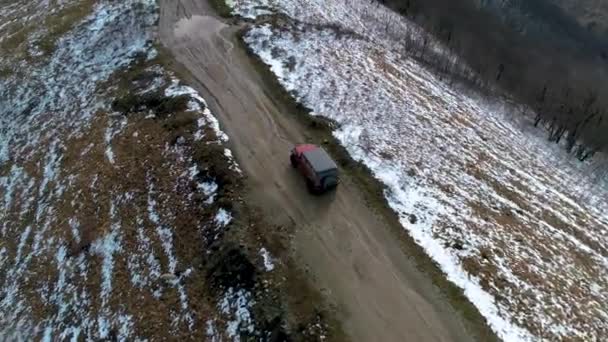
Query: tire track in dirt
column 350, row 251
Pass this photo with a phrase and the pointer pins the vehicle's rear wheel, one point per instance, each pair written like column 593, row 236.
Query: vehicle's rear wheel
column 311, row 187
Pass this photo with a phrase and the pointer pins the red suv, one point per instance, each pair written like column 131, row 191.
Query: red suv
column 317, row 167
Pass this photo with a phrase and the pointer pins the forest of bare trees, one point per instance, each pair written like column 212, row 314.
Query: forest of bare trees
column 533, row 51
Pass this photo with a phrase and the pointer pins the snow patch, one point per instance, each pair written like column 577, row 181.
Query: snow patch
column 223, row 217
column 196, row 104
column 268, row 260
column 235, row 304
column 211, row 332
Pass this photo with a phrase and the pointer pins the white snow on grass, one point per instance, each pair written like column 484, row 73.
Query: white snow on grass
column 511, row 219
column 114, row 128
column 267, row 259
column 211, row 332
column 106, row 247
column 196, row 104
column 51, row 252
column 251, row 9
column 233, row 164
column 208, row 188
column 46, row 103
column 164, row 232
column 143, row 265
column 223, row 217
column 165, row 235
column 235, row 304
column 365, row 19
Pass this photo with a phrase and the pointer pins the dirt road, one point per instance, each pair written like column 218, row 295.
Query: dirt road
column 350, row 251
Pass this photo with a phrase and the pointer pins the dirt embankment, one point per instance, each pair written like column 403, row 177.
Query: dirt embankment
column 347, row 249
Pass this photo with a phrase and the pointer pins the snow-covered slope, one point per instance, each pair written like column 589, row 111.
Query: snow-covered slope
column 511, row 219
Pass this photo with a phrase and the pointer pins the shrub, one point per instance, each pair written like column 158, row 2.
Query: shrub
column 156, row 102
column 211, row 158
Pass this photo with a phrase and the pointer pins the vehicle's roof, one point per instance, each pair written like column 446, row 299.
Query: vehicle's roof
column 320, row 160
column 306, row 147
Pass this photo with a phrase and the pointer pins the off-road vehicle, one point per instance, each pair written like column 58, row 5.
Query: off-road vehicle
column 317, row 167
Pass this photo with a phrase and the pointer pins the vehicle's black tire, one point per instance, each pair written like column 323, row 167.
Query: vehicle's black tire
column 329, row 183
column 311, row 187
column 294, row 162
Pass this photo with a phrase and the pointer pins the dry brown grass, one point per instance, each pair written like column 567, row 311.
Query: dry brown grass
column 502, row 189
column 62, row 21
column 136, row 159
column 17, row 34
column 42, row 31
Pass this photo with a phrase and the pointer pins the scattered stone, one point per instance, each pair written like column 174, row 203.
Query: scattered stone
column 458, row 245
column 485, row 254
column 168, row 278
column 413, row 219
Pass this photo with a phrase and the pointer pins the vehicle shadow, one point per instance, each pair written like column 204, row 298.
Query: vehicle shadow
column 313, row 203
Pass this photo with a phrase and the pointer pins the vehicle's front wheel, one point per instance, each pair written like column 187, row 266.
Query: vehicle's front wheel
column 294, row 162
